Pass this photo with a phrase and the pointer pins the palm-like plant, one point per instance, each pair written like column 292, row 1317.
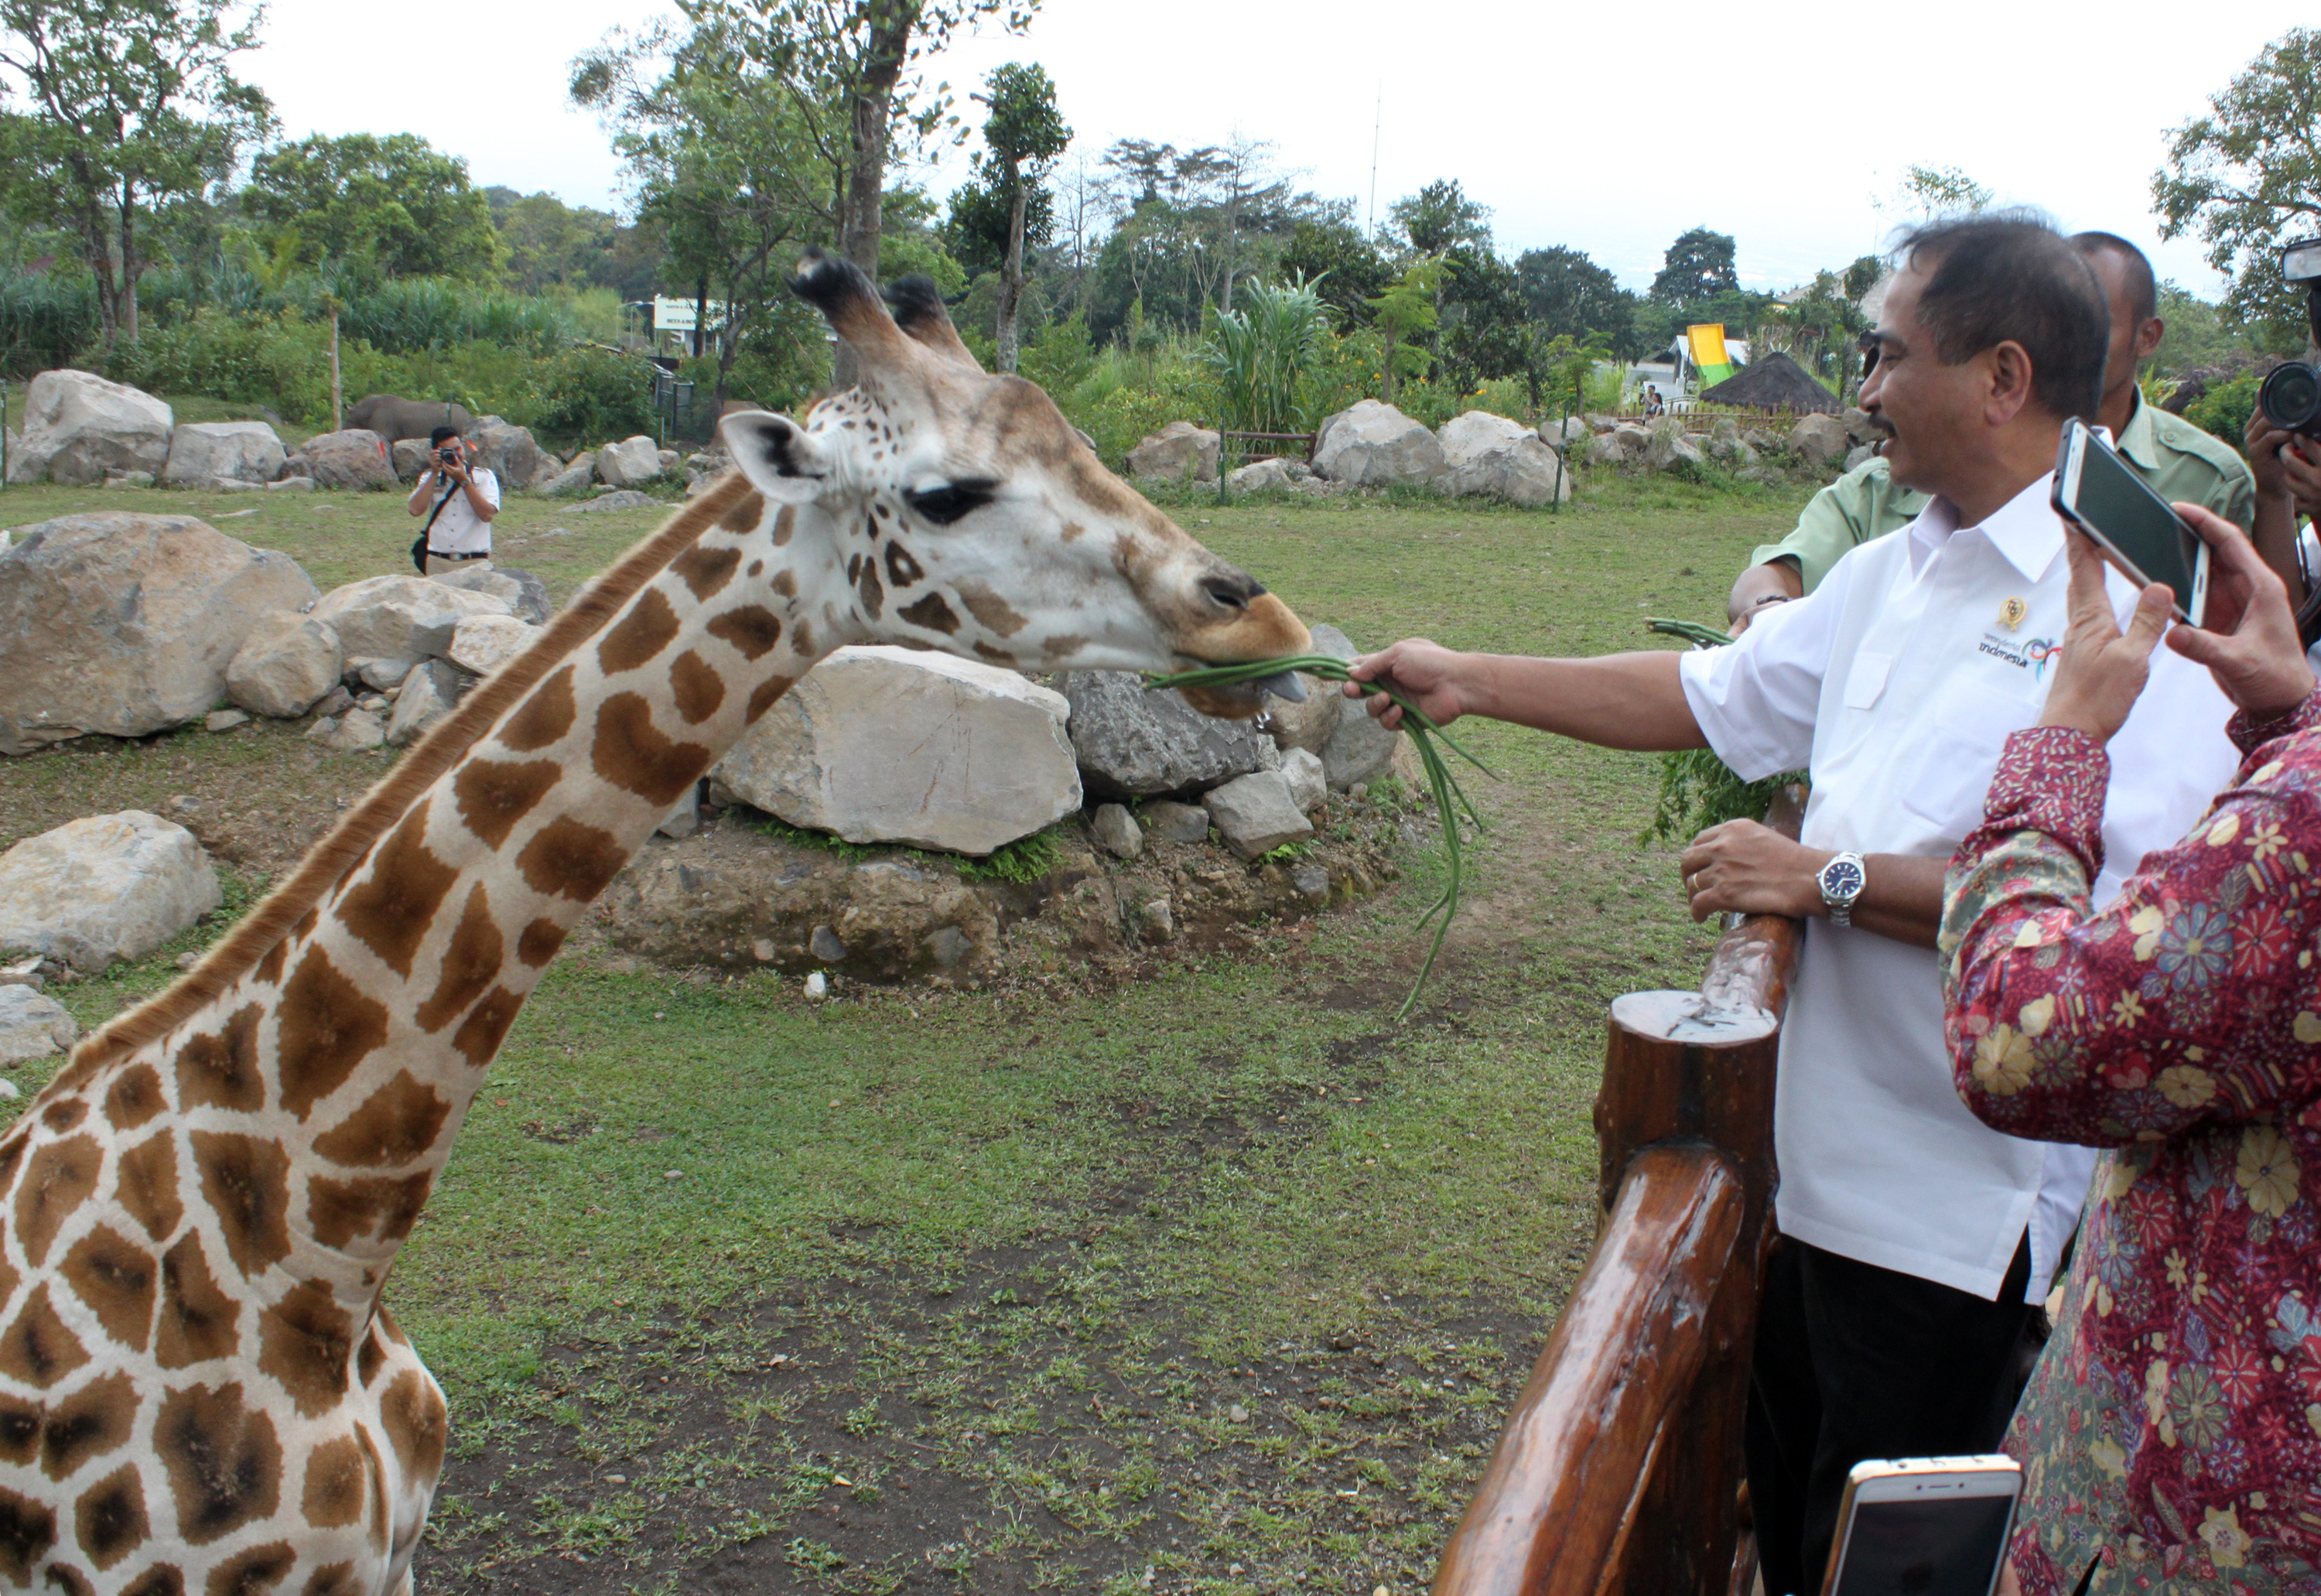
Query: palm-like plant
column 1265, row 355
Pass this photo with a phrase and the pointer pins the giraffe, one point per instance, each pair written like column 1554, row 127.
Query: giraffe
column 201, row 1393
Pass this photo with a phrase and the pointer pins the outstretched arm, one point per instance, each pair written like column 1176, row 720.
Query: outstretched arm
column 1632, row 701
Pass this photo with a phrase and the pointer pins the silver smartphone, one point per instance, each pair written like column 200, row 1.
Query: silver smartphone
column 2137, row 532
column 1923, row 1527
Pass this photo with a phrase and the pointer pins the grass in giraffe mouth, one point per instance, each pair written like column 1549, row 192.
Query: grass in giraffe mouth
column 1450, row 798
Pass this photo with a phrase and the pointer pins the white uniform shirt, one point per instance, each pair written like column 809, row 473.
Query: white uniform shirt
column 1897, row 683
column 459, row 530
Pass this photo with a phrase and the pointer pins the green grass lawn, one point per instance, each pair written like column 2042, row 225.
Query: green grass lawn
column 1220, row 1281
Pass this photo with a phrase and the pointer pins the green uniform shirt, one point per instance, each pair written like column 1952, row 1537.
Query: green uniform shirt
column 2182, row 463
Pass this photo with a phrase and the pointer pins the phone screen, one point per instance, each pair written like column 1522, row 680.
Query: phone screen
column 1947, row 1545
column 2113, row 499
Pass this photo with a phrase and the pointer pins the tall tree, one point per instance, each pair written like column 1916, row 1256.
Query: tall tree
column 131, row 104
column 2246, row 178
column 1441, row 217
column 391, row 207
column 1343, row 266
column 1567, row 293
column 1024, row 135
column 1697, row 265
column 1929, row 191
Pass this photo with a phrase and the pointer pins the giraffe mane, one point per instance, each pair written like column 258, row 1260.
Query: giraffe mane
column 329, row 861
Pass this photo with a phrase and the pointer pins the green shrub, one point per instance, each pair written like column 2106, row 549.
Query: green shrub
column 46, row 318
column 2222, row 411
column 276, row 360
column 587, row 394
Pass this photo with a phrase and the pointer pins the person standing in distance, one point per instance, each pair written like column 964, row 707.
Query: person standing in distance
column 460, row 498
column 2179, row 461
column 1915, row 1240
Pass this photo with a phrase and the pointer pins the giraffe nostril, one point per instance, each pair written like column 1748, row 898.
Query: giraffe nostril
column 1232, row 589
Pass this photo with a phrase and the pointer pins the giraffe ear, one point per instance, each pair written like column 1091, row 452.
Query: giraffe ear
column 777, row 456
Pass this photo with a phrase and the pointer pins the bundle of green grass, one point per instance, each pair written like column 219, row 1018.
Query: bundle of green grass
column 1450, row 799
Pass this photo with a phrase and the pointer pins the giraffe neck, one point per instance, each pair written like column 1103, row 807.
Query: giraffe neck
column 329, row 1081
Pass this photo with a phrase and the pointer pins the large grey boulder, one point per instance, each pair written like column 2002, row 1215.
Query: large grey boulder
column 429, row 692
column 79, row 429
column 1131, row 741
column 629, row 463
column 1467, row 437
column 409, row 457
column 1522, row 472
column 352, row 458
column 626, row 498
column 96, row 891
column 376, row 617
column 33, row 1026
column 288, row 662
column 481, row 644
column 510, row 453
column 1819, row 441
column 203, row 453
column 1257, row 812
column 124, row 624
column 527, row 594
column 1359, row 748
column 1182, row 452
column 1259, row 475
column 574, row 479
column 1372, row 444
column 1309, row 782
column 1670, row 449
column 894, row 745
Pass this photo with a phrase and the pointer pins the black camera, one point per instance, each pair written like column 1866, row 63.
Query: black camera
column 449, row 455
column 2290, row 397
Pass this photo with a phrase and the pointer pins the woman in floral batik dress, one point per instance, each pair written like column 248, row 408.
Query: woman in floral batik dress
column 2171, row 1436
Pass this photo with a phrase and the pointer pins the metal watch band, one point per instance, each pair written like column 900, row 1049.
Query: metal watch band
column 1840, row 909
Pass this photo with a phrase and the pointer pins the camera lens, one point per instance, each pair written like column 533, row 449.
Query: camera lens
column 2291, row 398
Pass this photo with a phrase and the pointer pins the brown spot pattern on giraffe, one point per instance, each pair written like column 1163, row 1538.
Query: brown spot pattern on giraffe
column 996, row 613
column 544, row 718
column 115, row 1278
column 381, row 1207
column 134, row 1096
column 63, row 1114
column 109, row 1520
column 707, row 570
column 472, row 959
column 222, row 1070
column 254, row 1572
column 539, row 943
column 145, row 1181
column 902, row 570
column 89, row 1423
column 161, row 1580
column 223, row 1458
column 752, row 629
column 269, row 966
column 324, row 1027
column 874, row 596
column 396, row 1123
column 747, row 512
column 58, row 1179
column 997, row 656
column 198, row 1322
column 493, row 794
column 413, row 1416
column 305, row 1342
column 767, row 692
column 246, row 1181
column 932, row 613
column 786, row 583
column 696, row 687
column 631, row 752
column 27, row 1531
column 389, row 911
column 38, row 1349
column 337, row 1483
column 569, row 858
column 19, row 1430
column 478, row 1039
column 640, row 634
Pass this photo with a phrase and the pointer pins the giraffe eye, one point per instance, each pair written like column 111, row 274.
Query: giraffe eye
column 946, row 504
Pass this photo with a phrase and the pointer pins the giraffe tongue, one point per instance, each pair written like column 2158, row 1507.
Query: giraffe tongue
column 1283, row 685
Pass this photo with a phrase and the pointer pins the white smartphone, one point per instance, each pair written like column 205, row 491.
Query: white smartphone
column 1923, row 1527
column 2137, row 532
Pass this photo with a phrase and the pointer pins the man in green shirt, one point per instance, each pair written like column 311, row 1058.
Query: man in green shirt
column 2181, row 462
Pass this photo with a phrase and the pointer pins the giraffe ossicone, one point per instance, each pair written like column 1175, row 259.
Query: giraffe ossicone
column 200, row 1390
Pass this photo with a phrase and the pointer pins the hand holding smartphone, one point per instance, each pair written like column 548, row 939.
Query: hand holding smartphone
column 2138, row 533
column 1923, row 1527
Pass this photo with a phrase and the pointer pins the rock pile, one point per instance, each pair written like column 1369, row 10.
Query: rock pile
column 79, row 429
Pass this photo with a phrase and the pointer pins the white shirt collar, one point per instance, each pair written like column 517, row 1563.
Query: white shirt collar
column 2024, row 529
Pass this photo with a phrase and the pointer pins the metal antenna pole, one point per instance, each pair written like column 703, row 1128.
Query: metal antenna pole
column 1377, row 119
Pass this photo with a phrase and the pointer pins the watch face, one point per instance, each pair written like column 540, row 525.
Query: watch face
column 1840, row 878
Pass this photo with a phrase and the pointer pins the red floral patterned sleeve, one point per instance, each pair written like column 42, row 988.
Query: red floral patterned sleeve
column 2193, row 998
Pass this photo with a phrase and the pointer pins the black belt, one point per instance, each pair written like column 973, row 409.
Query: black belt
column 439, row 554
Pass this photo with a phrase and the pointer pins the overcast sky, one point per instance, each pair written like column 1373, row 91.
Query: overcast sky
column 1610, row 128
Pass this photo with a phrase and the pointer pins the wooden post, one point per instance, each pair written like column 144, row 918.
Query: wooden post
column 338, row 397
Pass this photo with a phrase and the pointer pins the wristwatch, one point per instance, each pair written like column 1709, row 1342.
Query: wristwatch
column 1842, row 880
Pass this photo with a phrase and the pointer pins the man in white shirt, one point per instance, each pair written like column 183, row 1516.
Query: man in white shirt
column 459, row 500
column 1915, row 1239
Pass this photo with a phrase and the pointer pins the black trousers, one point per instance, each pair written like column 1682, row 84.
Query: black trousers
column 1856, row 1362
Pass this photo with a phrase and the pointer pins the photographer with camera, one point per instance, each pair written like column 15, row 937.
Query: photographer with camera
column 458, row 499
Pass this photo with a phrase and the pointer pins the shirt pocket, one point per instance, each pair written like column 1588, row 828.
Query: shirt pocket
column 1950, row 775
column 1865, row 680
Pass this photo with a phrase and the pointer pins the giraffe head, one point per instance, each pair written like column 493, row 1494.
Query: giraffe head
column 961, row 512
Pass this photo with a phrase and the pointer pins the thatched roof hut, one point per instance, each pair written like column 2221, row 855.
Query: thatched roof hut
column 1773, row 382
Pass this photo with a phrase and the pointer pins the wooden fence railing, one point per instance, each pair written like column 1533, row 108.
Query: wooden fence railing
column 1620, row 1467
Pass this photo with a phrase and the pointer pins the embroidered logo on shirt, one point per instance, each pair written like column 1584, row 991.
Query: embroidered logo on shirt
column 2011, row 613
column 2030, row 655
